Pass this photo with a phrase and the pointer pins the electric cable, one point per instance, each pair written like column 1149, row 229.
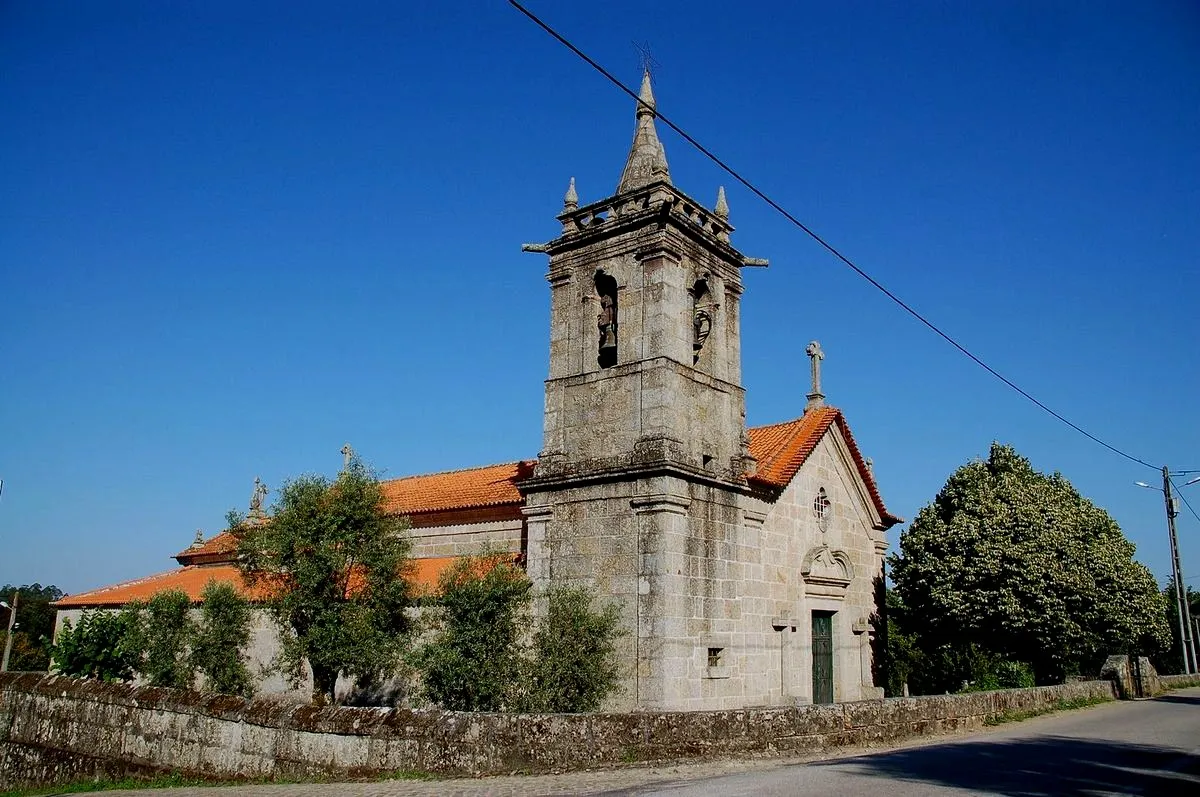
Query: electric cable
column 1186, row 502
column 826, row 245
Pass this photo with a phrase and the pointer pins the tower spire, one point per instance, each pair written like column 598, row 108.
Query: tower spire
column 647, row 162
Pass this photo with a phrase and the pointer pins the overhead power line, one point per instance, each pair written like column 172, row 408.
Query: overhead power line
column 1179, row 494
column 825, row 244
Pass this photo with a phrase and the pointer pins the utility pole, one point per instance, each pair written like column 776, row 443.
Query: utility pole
column 1186, row 641
column 12, row 621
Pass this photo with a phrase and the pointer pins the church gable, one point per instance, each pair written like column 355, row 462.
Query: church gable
column 782, row 449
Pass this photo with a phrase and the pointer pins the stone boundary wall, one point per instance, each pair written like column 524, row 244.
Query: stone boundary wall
column 1179, row 681
column 54, row 729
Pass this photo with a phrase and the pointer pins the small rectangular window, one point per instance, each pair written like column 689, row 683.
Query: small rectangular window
column 714, row 656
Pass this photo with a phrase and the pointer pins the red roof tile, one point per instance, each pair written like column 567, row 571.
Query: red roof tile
column 216, row 549
column 782, row 448
column 491, row 485
column 192, row 579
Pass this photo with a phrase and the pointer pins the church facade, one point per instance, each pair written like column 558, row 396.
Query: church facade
column 745, row 562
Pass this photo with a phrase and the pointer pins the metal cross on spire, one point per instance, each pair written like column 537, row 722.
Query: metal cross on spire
column 647, row 60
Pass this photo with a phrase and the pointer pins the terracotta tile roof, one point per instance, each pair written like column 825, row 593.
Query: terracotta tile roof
column 427, row 573
column 492, row 485
column 782, row 448
column 191, row 579
column 218, row 548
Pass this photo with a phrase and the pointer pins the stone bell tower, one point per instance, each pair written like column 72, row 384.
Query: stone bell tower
column 644, row 461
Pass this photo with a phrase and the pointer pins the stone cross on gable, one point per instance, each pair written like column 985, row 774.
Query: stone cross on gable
column 347, row 455
column 816, row 398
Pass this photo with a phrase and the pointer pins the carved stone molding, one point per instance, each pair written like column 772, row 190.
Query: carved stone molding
column 826, row 572
column 662, row 502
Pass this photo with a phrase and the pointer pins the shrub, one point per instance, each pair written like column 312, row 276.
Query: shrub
column 103, row 645
column 1014, row 675
column 474, row 662
column 574, row 665
column 164, row 635
column 221, row 635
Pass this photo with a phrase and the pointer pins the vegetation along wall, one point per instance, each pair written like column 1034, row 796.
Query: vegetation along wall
column 54, row 729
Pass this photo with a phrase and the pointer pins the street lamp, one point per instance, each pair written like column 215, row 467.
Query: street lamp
column 12, row 623
column 1186, row 641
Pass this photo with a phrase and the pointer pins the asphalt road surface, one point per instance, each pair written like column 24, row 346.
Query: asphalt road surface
column 1149, row 747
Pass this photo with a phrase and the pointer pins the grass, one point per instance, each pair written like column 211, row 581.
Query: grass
column 110, row 784
column 176, row 779
column 1060, row 705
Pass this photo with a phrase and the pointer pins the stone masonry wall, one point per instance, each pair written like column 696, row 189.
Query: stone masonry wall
column 774, row 589
column 466, row 539
column 54, row 729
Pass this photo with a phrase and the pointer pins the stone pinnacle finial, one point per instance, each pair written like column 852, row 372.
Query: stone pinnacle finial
column 722, row 207
column 347, row 454
column 646, row 104
column 647, row 162
column 571, row 199
column 816, row 398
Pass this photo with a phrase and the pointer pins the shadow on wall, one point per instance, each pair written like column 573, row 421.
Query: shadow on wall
column 1042, row 765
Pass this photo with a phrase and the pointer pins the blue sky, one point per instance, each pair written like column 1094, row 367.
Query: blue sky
column 235, row 236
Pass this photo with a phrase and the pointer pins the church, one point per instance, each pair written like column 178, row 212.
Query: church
column 745, row 561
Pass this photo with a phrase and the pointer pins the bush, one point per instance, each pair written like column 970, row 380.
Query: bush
column 164, row 635
column 104, row 645
column 1015, row 675
column 474, row 662
column 221, row 635
column 574, row 665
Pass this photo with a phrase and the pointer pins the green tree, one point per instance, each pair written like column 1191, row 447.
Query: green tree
column 898, row 658
column 221, row 637
column 103, row 645
column 330, row 566
column 475, row 661
column 574, row 663
column 1009, row 564
column 34, row 632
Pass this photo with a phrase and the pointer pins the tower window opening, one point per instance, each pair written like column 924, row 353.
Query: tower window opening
column 606, row 321
column 702, row 311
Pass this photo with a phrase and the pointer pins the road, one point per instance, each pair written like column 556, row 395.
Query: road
column 1149, row 747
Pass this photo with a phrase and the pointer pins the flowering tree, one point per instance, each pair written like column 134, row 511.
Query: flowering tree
column 1011, row 564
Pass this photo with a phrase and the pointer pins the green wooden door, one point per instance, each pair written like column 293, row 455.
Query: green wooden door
column 822, row 657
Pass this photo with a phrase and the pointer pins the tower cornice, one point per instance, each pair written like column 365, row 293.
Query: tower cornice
column 658, row 203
